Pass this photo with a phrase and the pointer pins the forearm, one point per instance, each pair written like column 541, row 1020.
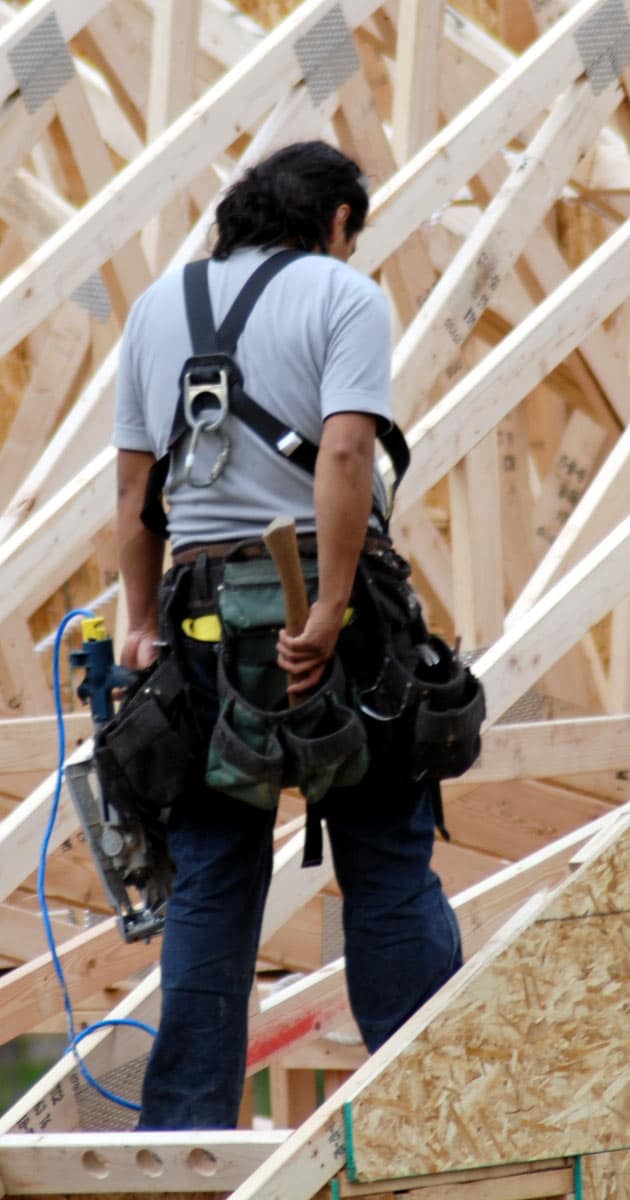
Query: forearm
column 141, row 553
column 343, row 502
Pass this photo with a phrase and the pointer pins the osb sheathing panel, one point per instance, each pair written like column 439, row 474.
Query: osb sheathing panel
column 606, row 1176
column 530, row 1062
column 604, row 888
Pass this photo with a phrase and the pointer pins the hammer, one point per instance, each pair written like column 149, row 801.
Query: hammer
column 280, row 539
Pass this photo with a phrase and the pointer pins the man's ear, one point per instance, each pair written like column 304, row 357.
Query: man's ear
column 340, row 220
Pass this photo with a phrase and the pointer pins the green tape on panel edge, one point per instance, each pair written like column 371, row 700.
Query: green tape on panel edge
column 577, row 1178
column 351, row 1166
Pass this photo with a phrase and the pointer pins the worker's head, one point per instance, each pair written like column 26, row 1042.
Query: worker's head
column 308, row 195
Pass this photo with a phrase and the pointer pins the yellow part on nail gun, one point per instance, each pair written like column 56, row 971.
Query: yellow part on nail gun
column 208, row 627
column 94, row 629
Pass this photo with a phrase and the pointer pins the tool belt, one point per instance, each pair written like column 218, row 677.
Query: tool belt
column 259, row 744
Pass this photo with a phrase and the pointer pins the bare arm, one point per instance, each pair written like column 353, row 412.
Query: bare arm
column 343, row 501
column 141, row 556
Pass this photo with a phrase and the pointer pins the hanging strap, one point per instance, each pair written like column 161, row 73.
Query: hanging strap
column 206, row 339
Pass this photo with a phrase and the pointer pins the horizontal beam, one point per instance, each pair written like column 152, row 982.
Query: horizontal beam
column 31, row 743
column 89, row 1163
column 538, row 749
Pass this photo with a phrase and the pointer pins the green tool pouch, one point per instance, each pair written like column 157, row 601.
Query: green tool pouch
column 144, row 755
column 259, row 745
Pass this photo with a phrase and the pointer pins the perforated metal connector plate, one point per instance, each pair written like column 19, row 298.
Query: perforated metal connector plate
column 41, row 63
column 604, row 44
column 327, row 55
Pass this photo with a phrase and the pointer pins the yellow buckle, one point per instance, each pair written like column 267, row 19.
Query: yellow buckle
column 203, row 629
column 208, row 627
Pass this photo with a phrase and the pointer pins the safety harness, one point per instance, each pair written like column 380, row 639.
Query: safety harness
column 211, row 390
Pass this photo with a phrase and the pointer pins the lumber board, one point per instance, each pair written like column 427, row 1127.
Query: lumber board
column 81, row 434
column 70, row 520
column 542, row 1074
column 76, row 1164
column 536, row 749
column 31, row 743
column 416, row 93
column 22, row 932
column 476, row 544
column 467, row 286
column 588, row 591
column 143, row 187
column 171, row 90
column 67, row 343
column 601, row 506
column 513, row 821
column 487, row 124
column 513, row 368
column 487, row 1183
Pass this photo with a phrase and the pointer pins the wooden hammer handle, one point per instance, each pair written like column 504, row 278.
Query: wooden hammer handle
column 280, row 539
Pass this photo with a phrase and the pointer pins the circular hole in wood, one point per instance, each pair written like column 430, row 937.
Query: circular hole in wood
column 202, row 1161
column 95, row 1164
column 150, row 1163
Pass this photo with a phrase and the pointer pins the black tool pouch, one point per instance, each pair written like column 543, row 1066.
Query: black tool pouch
column 420, row 703
column 144, row 755
column 260, row 745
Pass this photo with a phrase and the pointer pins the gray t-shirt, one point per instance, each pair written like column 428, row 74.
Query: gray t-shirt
column 316, row 343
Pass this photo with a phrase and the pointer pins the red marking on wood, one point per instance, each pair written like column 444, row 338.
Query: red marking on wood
column 264, row 1046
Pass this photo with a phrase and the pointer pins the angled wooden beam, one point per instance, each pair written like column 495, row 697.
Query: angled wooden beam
column 513, row 368
column 70, row 519
column 81, row 434
column 559, row 619
column 604, row 503
column 140, row 190
column 466, row 288
column 422, row 186
column 68, row 340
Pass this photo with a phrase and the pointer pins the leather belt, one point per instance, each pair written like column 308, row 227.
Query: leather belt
column 257, row 549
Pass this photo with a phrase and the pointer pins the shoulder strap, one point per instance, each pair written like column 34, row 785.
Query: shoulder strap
column 204, row 335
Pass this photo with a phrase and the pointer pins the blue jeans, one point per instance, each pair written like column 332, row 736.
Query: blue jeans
column 401, row 936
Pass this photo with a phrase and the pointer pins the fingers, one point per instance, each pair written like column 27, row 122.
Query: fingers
column 306, row 681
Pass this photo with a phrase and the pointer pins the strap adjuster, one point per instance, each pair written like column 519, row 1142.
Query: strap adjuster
column 289, row 443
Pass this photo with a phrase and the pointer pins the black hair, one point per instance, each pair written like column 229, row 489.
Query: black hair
column 290, row 199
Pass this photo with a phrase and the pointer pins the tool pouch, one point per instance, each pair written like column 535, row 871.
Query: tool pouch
column 421, row 704
column 144, row 755
column 260, row 745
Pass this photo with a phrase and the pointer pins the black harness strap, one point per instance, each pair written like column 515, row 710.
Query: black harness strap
column 207, row 339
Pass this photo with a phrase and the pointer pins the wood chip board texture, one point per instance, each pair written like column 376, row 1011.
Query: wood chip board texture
column 531, row 1061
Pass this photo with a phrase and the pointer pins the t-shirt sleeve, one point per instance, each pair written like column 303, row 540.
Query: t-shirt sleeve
column 356, row 376
column 130, row 432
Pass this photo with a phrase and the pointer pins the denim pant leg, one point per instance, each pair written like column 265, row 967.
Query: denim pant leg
column 401, row 936
column 222, row 851
column 195, row 1074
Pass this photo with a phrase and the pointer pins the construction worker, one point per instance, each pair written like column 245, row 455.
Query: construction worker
column 315, row 353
